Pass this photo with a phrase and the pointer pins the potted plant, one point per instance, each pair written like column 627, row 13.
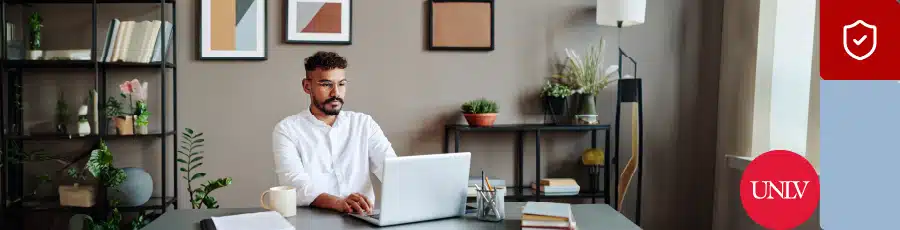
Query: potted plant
column 555, row 96
column 36, row 23
column 586, row 78
column 141, row 113
column 121, row 120
column 480, row 112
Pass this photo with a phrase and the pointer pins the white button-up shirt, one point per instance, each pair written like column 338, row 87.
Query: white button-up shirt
column 316, row 158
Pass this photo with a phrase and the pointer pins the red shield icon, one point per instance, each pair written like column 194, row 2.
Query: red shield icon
column 860, row 39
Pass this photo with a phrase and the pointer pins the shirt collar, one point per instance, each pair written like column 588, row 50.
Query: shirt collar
column 307, row 114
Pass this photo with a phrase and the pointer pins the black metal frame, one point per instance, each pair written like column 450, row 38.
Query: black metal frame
column 520, row 130
column 632, row 94
column 199, row 32
column 12, row 71
column 430, row 27
column 285, row 29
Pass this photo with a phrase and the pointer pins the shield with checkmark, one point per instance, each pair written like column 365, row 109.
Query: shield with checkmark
column 860, row 39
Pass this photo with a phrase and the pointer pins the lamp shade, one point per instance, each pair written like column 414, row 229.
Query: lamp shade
column 629, row 12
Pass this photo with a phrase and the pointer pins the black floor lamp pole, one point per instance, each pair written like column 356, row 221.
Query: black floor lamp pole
column 630, row 90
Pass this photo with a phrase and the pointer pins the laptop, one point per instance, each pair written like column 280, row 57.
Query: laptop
column 421, row 188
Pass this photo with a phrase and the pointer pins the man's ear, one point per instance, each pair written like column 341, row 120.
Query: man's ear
column 306, row 85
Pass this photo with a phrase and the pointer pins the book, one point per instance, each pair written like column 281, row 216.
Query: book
column 137, row 41
column 257, row 220
column 547, row 215
column 559, row 182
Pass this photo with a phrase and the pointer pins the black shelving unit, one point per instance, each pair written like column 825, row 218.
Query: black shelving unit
column 523, row 192
column 13, row 121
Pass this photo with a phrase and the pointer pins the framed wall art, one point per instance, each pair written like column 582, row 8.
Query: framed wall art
column 461, row 25
column 318, row 22
column 233, row 30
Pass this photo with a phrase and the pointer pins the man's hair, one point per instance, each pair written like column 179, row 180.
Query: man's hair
column 325, row 61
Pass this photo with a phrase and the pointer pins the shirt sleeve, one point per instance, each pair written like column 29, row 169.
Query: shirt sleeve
column 379, row 149
column 289, row 168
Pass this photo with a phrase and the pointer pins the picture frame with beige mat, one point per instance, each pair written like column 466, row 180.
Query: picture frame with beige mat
column 462, row 25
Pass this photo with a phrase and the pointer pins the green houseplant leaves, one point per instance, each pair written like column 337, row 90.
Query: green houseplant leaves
column 190, row 159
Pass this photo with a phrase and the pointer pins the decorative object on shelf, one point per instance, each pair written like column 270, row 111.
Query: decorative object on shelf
column 191, row 154
column 84, row 127
column 585, row 75
column 76, row 195
column 135, row 190
column 15, row 48
column 94, row 101
column 461, row 25
column 593, row 156
column 480, row 112
column 233, row 30
column 141, row 114
column 36, row 22
column 80, row 54
column 555, row 97
column 318, row 22
column 625, row 13
column 62, row 114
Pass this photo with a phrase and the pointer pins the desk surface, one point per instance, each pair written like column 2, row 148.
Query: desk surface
column 587, row 216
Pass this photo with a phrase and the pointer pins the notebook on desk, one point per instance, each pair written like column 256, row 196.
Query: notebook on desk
column 268, row 220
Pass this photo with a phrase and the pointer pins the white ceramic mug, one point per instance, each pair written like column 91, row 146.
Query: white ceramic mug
column 282, row 199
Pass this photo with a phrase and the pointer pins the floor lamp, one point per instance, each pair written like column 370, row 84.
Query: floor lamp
column 625, row 13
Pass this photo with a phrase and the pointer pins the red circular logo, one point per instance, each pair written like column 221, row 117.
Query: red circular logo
column 780, row 189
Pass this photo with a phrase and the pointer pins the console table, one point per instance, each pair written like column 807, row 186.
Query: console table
column 522, row 190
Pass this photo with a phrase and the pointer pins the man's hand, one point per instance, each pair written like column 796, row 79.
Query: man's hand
column 355, row 203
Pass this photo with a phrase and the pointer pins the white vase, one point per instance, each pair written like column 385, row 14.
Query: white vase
column 142, row 130
column 35, row 54
column 84, row 128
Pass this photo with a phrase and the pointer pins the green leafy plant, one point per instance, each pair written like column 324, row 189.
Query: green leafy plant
column 190, row 160
column 554, row 89
column 36, row 23
column 480, row 105
column 586, row 75
column 143, row 115
column 99, row 164
column 114, row 108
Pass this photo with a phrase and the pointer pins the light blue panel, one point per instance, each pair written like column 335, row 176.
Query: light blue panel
column 245, row 39
column 860, row 152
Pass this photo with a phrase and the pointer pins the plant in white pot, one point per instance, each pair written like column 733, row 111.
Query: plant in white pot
column 141, row 113
column 587, row 77
column 34, row 45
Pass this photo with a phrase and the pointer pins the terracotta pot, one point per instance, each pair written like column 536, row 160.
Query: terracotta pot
column 480, row 119
column 125, row 125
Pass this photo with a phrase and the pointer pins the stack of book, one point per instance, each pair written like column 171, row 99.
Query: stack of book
column 547, row 215
column 495, row 182
column 136, row 41
column 557, row 187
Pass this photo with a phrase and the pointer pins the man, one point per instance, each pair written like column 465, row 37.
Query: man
column 327, row 153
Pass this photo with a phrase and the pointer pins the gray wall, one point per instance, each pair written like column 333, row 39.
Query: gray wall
column 237, row 103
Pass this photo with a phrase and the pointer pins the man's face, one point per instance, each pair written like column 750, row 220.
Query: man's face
column 326, row 89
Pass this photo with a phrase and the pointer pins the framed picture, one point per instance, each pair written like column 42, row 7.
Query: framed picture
column 318, row 22
column 461, row 25
column 233, row 30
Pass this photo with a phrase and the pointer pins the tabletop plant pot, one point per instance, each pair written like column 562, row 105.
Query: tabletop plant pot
column 481, row 119
column 480, row 112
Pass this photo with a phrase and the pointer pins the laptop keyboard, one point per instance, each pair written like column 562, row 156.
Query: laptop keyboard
column 375, row 216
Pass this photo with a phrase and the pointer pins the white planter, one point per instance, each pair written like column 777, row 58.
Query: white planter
column 84, row 128
column 142, row 130
column 35, row 54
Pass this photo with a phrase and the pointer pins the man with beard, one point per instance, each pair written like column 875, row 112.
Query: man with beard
column 325, row 152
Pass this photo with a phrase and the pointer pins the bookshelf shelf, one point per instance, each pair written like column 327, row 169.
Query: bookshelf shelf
column 144, row 45
column 593, row 189
column 18, row 2
column 80, row 64
column 53, row 136
column 52, row 204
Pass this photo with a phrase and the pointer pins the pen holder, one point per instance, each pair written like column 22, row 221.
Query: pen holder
column 489, row 206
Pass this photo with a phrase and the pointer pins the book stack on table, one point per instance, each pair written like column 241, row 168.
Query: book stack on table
column 547, row 215
column 557, row 187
